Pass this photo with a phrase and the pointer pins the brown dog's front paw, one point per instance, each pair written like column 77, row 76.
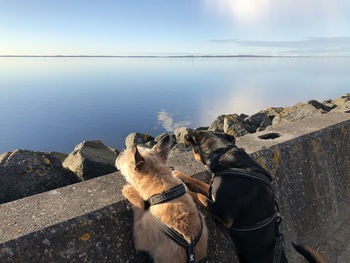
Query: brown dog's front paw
column 130, row 193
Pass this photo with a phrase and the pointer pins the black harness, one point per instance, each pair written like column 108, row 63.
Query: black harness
column 212, row 163
column 178, row 238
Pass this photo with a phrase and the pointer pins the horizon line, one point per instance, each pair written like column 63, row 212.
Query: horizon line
column 153, row 56
column 171, row 56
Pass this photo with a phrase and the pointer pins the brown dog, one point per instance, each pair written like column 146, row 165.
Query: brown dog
column 147, row 175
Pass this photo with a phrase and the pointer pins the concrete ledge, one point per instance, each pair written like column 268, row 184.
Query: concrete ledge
column 84, row 222
column 90, row 221
column 312, row 171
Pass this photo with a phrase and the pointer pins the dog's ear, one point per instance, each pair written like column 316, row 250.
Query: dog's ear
column 139, row 160
column 189, row 139
column 163, row 147
column 230, row 138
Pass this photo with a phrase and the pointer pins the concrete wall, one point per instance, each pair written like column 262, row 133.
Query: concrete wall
column 90, row 221
column 312, row 172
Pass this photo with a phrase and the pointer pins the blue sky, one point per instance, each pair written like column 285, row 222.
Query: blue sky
column 179, row 27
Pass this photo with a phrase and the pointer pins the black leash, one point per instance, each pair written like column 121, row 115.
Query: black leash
column 178, row 238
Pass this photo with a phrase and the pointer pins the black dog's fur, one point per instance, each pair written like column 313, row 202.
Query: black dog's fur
column 235, row 201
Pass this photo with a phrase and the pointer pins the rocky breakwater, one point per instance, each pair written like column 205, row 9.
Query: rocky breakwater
column 242, row 124
column 24, row 173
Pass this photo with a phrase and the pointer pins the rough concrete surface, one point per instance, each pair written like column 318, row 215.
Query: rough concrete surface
column 90, row 221
column 58, row 226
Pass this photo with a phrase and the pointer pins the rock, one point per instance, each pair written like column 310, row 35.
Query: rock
column 137, row 138
column 150, row 144
column 24, row 173
column 243, row 116
column 235, row 125
column 271, row 112
column 297, row 112
column 265, row 123
column 172, row 139
column 343, row 102
column 329, row 103
column 218, row 124
column 319, row 105
column 259, row 120
column 114, row 150
column 60, row 156
column 91, row 159
column 179, row 147
column 201, row 128
column 180, row 133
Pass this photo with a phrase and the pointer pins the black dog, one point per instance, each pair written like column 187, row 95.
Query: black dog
column 240, row 197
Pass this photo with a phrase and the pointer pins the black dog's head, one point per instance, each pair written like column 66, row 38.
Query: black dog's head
column 204, row 143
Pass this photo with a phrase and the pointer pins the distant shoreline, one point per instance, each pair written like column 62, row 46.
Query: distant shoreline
column 185, row 56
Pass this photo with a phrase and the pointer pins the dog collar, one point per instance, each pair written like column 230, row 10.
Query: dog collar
column 166, row 196
column 214, row 157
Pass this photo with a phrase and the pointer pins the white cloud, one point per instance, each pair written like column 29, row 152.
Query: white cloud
column 167, row 121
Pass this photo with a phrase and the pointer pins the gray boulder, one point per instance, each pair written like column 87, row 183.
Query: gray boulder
column 264, row 124
column 137, row 138
column 342, row 102
column 60, row 156
column 201, row 128
column 180, row 133
column 259, row 121
column 321, row 106
column 271, row 112
column 180, row 147
column 329, row 103
column 172, row 139
column 91, row 159
column 235, row 125
column 24, row 173
column 218, row 124
column 297, row 112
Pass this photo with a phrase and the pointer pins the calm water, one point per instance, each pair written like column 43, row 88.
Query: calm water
column 55, row 103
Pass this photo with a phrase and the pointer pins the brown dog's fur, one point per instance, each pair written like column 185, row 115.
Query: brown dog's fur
column 146, row 174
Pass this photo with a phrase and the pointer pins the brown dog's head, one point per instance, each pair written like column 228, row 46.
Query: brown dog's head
column 204, row 143
column 136, row 162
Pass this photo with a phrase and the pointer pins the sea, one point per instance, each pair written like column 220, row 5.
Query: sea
column 54, row 103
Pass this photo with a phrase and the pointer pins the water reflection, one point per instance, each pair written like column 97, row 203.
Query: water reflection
column 167, row 121
column 54, row 104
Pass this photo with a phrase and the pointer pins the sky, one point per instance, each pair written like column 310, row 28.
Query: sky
column 180, row 27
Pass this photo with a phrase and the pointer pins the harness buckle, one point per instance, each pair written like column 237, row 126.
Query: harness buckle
column 190, row 253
